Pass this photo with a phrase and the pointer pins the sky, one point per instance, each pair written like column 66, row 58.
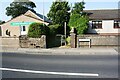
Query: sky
column 90, row 5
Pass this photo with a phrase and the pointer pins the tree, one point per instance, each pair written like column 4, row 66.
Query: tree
column 1, row 22
column 78, row 19
column 18, row 7
column 58, row 14
column 78, row 8
column 53, row 29
column 37, row 29
column 80, row 23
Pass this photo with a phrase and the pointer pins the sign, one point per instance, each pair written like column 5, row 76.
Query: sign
column 20, row 23
column 85, row 40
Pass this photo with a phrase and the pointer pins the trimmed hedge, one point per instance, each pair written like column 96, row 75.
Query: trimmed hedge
column 37, row 29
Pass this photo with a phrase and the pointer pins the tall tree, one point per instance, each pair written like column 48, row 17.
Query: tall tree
column 78, row 8
column 78, row 19
column 18, row 7
column 59, row 13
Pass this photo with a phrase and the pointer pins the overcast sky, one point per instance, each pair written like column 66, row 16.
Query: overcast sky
column 90, row 4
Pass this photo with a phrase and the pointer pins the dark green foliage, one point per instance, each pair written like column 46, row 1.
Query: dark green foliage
column 18, row 7
column 53, row 41
column 78, row 8
column 59, row 13
column 37, row 29
column 54, row 29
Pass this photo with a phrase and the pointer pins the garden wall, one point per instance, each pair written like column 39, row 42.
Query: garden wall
column 26, row 42
column 12, row 42
column 23, row 42
column 99, row 40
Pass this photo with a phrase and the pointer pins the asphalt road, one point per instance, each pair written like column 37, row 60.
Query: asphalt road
column 104, row 65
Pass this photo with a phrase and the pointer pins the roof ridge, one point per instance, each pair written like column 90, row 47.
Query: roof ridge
column 100, row 9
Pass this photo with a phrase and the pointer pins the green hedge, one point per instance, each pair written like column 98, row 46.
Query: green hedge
column 37, row 29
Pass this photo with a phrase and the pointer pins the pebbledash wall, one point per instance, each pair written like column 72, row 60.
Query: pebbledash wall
column 12, row 42
column 99, row 40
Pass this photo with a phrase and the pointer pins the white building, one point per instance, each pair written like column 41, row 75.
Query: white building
column 20, row 24
column 104, row 22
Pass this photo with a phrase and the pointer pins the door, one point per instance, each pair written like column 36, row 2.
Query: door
column 23, row 30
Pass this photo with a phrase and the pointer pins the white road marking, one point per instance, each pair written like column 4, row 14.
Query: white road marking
column 46, row 72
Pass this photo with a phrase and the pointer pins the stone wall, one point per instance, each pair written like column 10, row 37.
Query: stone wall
column 26, row 42
column 9, row 42
column 98, row 40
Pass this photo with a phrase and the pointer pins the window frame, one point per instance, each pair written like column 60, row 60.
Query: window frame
column 116, row 22
column 97, row 24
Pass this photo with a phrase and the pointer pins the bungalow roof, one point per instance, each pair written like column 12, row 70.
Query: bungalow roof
column 108, row 14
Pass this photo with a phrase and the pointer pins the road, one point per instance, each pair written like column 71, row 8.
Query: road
column 106, row 66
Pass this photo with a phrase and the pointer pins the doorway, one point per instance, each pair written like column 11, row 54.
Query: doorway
column 23, row 30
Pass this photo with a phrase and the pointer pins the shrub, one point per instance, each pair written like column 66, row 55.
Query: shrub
column 37, row 29
column 68, row 40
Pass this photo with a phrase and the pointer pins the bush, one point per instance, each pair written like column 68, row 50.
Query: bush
column 37, row 29
column 68, row 40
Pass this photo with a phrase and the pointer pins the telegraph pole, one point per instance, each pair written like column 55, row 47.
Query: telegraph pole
column 43, row 12
column 65, row 32
column 43, row 23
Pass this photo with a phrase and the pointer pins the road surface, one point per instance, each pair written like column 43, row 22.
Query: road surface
column 59, row 66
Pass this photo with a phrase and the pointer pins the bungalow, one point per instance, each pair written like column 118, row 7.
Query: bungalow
column 104, row 22
column 19, row 25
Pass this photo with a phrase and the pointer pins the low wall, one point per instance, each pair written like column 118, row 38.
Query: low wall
column 98, row 40
column 9, row 42
column 23, row 42
column 26, row 42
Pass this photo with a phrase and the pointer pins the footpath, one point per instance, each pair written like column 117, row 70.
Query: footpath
column 63, row 51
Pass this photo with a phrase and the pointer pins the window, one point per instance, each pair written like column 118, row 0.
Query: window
column 116, row 24
column 23, row 28
column 96, row 24
column 7, row 32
